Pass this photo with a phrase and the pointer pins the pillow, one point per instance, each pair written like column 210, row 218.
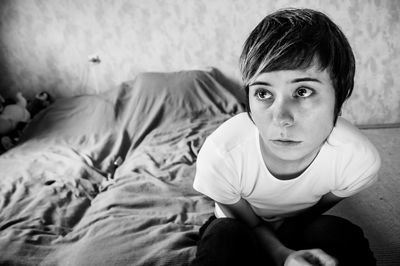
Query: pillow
column 153, row 100
column 180, row 94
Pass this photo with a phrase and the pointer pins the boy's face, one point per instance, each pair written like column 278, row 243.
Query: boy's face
column 294, row 113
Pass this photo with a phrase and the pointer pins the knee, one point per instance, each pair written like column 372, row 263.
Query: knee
column 336, row 229
column 341, row 239
column 227, row 241
column 335, row 224
column 228, row 230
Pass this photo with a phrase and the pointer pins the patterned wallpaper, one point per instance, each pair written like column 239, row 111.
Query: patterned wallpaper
column 45, row 44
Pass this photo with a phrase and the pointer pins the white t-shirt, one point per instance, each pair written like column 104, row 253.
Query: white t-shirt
column 230, row 167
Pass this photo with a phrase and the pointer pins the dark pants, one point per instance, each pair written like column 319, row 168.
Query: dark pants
column 226, row 241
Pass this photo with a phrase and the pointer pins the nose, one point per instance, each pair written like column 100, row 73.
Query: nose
column 282, row 113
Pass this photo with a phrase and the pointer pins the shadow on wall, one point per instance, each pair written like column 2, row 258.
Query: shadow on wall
column 5, row 74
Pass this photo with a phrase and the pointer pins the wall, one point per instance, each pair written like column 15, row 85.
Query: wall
column 45, row 45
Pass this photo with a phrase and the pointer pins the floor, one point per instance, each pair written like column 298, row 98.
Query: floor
column 377, row 209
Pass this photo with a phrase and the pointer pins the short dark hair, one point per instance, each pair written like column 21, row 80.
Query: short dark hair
column 291, row 39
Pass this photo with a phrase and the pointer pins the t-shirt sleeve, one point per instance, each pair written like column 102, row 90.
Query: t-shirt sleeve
column 359, row 170
column 215, row 175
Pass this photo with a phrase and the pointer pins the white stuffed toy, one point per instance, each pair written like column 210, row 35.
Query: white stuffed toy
column 12, row 114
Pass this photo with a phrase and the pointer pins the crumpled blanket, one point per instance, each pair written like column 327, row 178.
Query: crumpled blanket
column 63, row 200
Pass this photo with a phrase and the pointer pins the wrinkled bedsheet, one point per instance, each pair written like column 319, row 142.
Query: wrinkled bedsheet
column 57, row 206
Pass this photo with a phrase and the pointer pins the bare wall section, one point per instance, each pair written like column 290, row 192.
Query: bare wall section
column 45, row 45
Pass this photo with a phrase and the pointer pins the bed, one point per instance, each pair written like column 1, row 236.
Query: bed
column 107, row 179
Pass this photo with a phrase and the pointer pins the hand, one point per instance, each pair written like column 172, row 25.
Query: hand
column 310, row 257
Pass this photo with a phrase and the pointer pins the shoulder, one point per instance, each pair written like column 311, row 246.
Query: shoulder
column 353, row 145
column 232, row 133
column 346, row 135
column 216, row 168
column 357, row 159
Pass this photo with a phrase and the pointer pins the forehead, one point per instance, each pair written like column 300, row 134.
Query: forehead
column 313, row 72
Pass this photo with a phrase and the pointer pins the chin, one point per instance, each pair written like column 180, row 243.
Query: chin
column 293, row 154
column 290, row 156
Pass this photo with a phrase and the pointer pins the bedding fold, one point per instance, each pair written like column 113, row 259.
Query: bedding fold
column 54, row 208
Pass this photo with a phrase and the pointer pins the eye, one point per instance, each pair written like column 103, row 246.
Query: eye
column 263, row 94
column 303, row 92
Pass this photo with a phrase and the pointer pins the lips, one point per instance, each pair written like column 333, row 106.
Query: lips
column 285, row 142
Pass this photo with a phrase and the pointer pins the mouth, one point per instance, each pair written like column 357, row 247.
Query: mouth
column 285, row 142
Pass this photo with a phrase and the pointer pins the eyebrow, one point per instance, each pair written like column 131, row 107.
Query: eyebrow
column 293, row 81
column 306, row 79
column 260, row 83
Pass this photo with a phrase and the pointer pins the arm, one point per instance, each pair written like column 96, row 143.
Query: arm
column 324, row 204
column 306, row 216
column 270, row 243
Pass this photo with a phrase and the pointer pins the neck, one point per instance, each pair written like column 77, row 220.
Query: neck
column 285, row 169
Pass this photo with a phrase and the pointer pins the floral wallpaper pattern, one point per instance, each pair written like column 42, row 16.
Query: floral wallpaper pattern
column 46, row 44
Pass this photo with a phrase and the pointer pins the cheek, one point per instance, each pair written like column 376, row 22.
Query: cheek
column 318, row 108
column 262, row 119
column 318, row 122
column 320, row 129
column 327, row 112
column 260, row 112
